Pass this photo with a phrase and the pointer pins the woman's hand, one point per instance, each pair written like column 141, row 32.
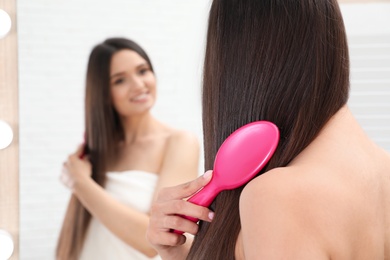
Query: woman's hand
column 75, row 169
column 164, row 217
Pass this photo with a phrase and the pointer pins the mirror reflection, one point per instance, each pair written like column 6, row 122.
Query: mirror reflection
column 55, row 40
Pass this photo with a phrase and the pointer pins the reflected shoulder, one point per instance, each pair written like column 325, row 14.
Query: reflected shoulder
column 182, row 138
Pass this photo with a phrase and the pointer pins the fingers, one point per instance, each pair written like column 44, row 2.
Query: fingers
column 185, row 208
column 80, row 151
column 172, row 215
column 170, row 210
column 65, row 178
column 77, row 156
column 187, row 189
column 72, row 159
column 165, row 239
column 159, row 230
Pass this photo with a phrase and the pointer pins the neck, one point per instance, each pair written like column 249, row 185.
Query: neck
column 137, row 127
column 343, row 122
column 342, row 130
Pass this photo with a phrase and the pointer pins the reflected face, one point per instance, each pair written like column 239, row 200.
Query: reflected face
column 132, row 84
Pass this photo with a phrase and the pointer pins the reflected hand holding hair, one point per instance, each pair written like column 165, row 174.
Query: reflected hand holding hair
column 75, row 169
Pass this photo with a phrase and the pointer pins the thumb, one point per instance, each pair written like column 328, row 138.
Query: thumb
column 187, row 189
column 80, row 152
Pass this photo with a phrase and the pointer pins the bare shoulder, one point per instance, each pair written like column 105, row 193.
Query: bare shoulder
column 181, row 138
column 386, row 157
column 177, row 139
column 287, row 185
column 299, row 188
column 181, row 145
column 182, row 149
column 282, row 188
column 286, row 210
column 181, row 158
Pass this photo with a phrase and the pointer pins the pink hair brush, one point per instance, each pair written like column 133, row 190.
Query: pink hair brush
column 241, row 156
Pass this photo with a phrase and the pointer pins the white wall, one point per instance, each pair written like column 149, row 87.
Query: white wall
column 55, row 38
column 369, row 42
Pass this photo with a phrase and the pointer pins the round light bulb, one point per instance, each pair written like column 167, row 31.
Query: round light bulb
column 6, row 134
column 5, row 23
column 6, row 245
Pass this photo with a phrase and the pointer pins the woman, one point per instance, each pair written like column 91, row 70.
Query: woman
column 129, row 156
column 325, row 194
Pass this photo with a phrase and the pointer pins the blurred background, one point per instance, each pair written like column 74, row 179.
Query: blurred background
column 42, row 73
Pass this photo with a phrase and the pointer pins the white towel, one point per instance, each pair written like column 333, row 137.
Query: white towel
column 133, row 188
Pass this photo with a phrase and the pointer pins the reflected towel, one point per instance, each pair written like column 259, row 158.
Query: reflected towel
column 132, row 188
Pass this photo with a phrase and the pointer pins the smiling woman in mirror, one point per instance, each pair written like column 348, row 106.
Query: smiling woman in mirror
column 128, row 155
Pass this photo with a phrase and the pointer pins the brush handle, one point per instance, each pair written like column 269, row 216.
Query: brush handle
column 203, row 197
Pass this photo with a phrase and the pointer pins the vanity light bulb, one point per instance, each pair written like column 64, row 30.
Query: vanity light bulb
column 5, row 23
column 6, row 135
column 6, row 245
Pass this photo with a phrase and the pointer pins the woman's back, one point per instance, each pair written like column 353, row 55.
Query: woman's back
column 332, row 201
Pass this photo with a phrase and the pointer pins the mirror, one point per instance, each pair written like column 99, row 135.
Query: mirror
column 54, row 41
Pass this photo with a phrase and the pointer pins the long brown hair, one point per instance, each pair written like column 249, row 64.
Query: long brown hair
column 103, row 132
column 285, row 61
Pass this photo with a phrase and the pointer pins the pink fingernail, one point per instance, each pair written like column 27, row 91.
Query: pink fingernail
column 211, row 215
column 207, row 174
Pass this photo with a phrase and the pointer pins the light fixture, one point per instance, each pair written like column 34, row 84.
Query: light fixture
column 6, row 134
column 5, row 23
column 6, row 245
